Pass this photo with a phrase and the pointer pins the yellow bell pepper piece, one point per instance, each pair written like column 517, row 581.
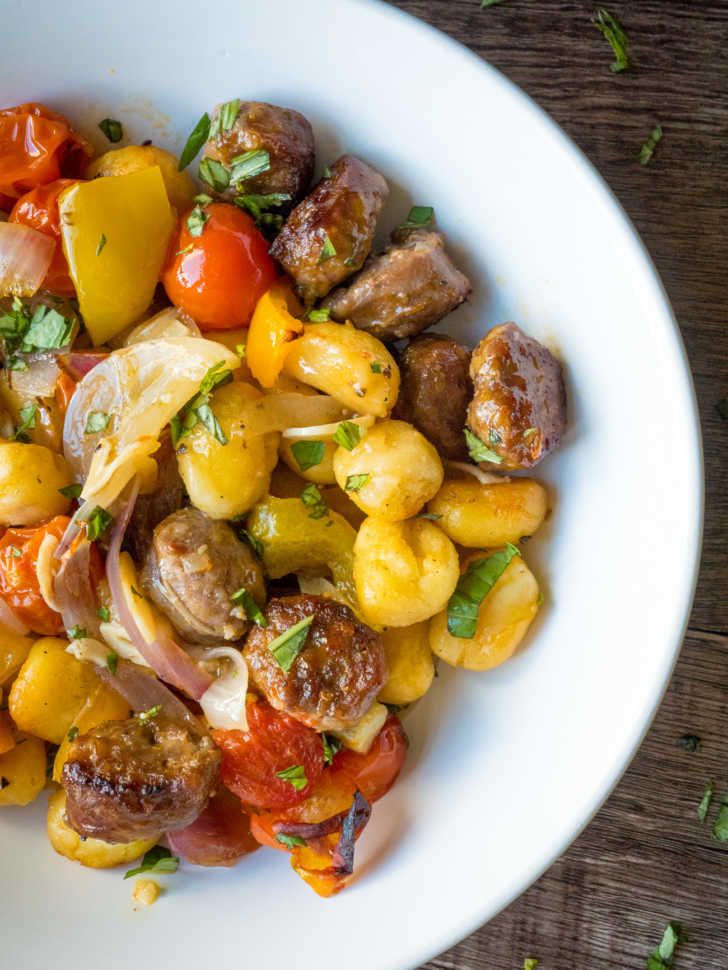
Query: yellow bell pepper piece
column 273, row 326
column 115, row 233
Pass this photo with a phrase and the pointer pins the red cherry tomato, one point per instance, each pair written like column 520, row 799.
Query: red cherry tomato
column 39, row 210
column 219, row 276
column 273, row 743
column 19, row 585
column 375, row 772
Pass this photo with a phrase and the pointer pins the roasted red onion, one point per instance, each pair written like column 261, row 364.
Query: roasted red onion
column 351, row 823
column 25, row 255
column 141, row 689
column 220, row 836
column 79, row 362
column 73, row 590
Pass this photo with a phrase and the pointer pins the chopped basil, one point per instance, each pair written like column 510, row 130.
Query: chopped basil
column 198, row 408
column 149, row 714
column 255, row 544
column 529, row 963
column 290, row 841
column 96, row 421
column 15, row 552
column 77, row 633
column 225, row 118
column 473, row 586
column 248, row 165
column 705, row 802
column 112, row 661
column 327, row 172
column 206, row 417
column 689, row 742
column 97, row 522
column 314, row 501
column 376, row 367
column 198, row 137
column 419, row 216
column 661, row 958
column 321, row 315
column 203, row 199
column 112, row 129
column 529, row 433
column 478, row 450
column 101, row 243
column 290, row 643
column 348, row 435
column 308, row 454
column 27, row 417
column 355, row 482
column 720, row 826
column 648, row 149
column 71, row 491
column 241, row 350
column 104, row 614
column 72, row 733
column 214, row 174
column 157, row 859
column 47, row 329
column 252, row 610
column 612, row 31
column 332, row 746
column 296, row 775
column 328, row 251
column 256, row 205
column 196, row 221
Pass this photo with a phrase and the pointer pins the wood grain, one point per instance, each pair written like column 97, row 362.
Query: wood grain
column 646, row 858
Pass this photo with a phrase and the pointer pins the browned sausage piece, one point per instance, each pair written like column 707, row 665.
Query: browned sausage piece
column 337, row 675
column 435, row 391
column 134, row 779
column 149, row 510
column 285, row 134
column 519, row 405
column 328, row 236
column 194, row 566
column 411, row 286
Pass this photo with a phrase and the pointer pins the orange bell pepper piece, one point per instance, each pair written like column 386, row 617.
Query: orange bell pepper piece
column 273, row 326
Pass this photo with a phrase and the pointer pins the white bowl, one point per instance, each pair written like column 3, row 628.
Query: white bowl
column 506, row 767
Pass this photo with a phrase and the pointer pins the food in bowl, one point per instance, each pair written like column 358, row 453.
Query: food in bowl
column 242, row 518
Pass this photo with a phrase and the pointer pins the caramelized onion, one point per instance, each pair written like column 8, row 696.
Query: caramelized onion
column 25, row 255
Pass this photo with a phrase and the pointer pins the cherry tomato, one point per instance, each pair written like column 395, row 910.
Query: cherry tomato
column 219, row 276
column 39, row 210
column 375, row 772
column 252, row 760
column 37, row 146
column 19, row 580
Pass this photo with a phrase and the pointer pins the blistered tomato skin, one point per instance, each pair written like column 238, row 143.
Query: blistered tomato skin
column 374, row 773
column 38, row 209
column 273, row 743
column 219, row 276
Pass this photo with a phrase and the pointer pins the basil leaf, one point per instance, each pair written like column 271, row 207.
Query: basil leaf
column 321, row 315
column 256, row 205
column 419, row 216
column 661, row 958
column 97, row 522
column 648, row 149
column 101, row 243
column 705, row 802
column 296, row 775
column 290, row 643
column 157, row 859
column 290, row 841
column 71, row 491
column 198, row 136
column 252, row 610
column 332, row 746
column 477, row 449
column 198, row 408
column 203, row 199
column 77, row 633
column 473, row 586
column 348, row 435
column 616, row 37
column 112, row 661
column 308, row 454
column 720, row 826
column 196, row 221
column 313, row 500
column 27, row 417
column 96, row 421
column 47, row 330
column 112, row 129
column 356, row 482
column 225, row 118
column 248, row 165
column 207, row 418
column 328, row 250
column 327, row 172
column 214, row 174
column 217, row 375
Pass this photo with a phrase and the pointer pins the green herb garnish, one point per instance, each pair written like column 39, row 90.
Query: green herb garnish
column 187, row 249
column 419, row 216
column 720, row 826
column 96, row 421
column 145, row 716
column 112, row 129
column 705, row 801
column 72, row 733
column 196, row 221
column 15, row 552
column 314, row 501
column 77, row 633
column 214, row 174
column 328, row 250
column 296, row 775
column 648, row 149
column 376, row 367
column 157, row 859
column 308, row 454
column 327, row 172
column 198, row 136
column 529, row 963
column 290, row 841
column 198, row 408
column 71, row 491
column 478, row 450
column 104, row 614
column 356, row 482
column 252, row 610
column 27, row 417
column 225, row 118
column 101, row 243
column 256, row 205
column 473, row 586
column 332, row 746
column 248, row 165
column 112, row 661
column 48, row 330
column 661, row 958
column 321, row 315
column 612, row 31
column 97, row 522
column 290, row 643
column 348, row 435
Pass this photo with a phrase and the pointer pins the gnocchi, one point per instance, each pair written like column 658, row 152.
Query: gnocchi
column 410, row 666
column 478, row 516
column 23, row 772
column 14, row 648
column 30, row 479
column 133, row 158
column 404, row 572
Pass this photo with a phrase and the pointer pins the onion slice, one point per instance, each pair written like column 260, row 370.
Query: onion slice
column 223, row 703
column 220, row 836
column 73, row 590
column 164, row 656
column 25, row 256
column 79, row 362
column 328, row 430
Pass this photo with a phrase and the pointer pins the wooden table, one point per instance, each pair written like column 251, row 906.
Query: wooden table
column 645, row 859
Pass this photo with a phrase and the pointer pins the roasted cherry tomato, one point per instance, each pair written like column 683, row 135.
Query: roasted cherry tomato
column 219, row 275
column 375, row 772
column 274, row 745
column 39, row 210
column 19, row 580
column 37, row 146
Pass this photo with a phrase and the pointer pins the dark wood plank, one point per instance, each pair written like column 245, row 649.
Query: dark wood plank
column 645, row 859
